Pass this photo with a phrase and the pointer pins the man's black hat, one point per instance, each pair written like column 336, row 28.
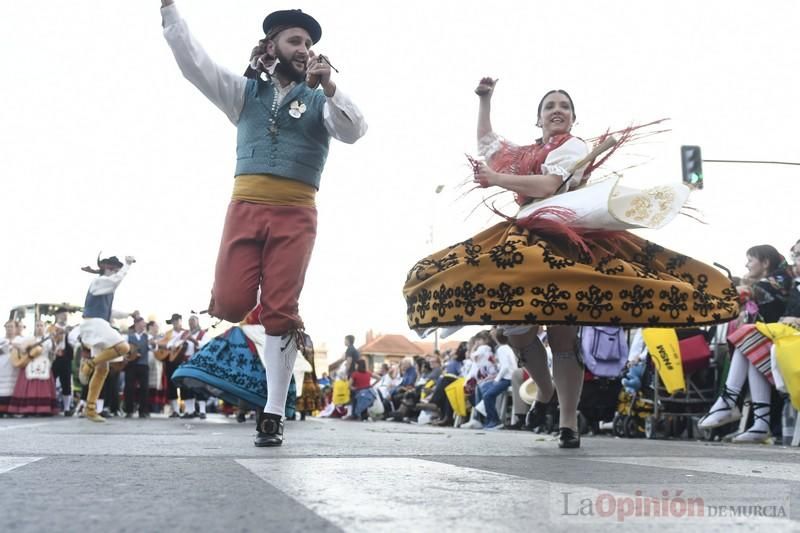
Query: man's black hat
column 175, row 316
column 111, row 262
column 293, row 18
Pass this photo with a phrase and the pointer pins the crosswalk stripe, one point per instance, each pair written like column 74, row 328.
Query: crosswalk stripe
column 375, row 494
column 24, row 426
column 10, row 463
column 735, row 467
column 387, row 494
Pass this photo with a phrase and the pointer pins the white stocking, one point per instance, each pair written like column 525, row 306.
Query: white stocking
column 760, row 394
column 279, row 364
column 568, row 378
column 737, row 374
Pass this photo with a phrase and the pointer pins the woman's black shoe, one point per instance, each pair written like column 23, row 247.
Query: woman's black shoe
column 519, row 424
column 270, row 430
column 568, row 438
column 537, row 414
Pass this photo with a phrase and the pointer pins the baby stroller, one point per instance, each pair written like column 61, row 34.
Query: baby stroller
column 634, row 402
column 702, row 354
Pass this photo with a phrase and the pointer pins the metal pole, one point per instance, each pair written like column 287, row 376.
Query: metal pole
column 751, row 162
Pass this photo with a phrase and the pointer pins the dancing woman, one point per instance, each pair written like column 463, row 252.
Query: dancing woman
column 564, row 260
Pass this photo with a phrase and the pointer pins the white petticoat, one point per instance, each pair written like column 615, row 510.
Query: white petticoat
column 607, row 205
column 603, row 205
column 98, row 335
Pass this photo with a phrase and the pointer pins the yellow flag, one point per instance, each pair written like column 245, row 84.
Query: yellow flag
column 456, row 397
column 787, row 352
column 666, row 355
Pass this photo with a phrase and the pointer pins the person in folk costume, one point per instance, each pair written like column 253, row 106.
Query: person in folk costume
column 137, row 370
column 62, row 364
column 35, row 390
column 8, row 370
column 157, row 395
column 564, row 259
column 311, row 397
column 104, row 342
column 172, row 340
column 286, row 108
column 192, row 339
column 231, row 367
column 771, row 292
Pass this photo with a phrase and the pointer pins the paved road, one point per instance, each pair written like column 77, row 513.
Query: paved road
column 167, row 475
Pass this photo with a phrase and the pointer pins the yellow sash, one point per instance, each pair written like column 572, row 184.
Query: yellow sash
column 272, row 190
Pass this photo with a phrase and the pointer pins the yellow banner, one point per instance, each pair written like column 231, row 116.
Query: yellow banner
column 666, row 355
column 787, row 352
column 456, row 397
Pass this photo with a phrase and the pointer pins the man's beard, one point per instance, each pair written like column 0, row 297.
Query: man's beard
column 285, row 68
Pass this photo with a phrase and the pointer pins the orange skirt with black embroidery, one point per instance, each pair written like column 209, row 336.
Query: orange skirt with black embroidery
column 511, row 275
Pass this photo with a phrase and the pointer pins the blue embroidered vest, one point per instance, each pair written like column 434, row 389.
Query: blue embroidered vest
column 98, row 306
column 276, row 142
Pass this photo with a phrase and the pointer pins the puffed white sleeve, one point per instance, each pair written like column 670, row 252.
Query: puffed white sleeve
column 221, row 86
column 489, row 144
column 563, row 159
column 108, row 284
column 343, row 120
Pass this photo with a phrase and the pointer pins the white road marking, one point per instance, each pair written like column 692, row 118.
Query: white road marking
column 372, row 494
column 733, row 467
column 10, row 463
column 25, row 426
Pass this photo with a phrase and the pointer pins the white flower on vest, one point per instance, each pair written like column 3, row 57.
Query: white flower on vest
column 296, row 109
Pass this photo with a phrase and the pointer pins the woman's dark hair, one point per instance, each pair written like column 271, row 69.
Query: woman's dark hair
column 361, row 365
column 768, row 253
column 548, row 93
column 461, row 351
column 500, row 336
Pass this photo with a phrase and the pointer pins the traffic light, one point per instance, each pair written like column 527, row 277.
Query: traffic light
column 692, row 166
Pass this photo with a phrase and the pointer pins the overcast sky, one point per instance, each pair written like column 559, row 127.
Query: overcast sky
column 104, row 146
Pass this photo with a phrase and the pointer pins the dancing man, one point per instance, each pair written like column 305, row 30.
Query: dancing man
column 286, row 108
column 105, row 342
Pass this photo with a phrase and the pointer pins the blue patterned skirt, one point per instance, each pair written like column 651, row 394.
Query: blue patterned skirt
column 228, row 368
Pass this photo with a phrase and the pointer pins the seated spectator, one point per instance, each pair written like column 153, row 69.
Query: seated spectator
column 519, row 407
column 770, row 293
column 481, row 371
column 324, row 381
column 507, row 362
column 408, row 371
column 383, row 384
column 435, row 363
column 361, row 391
column 438, row 402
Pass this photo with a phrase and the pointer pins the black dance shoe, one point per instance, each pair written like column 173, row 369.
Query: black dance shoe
column 568, row 438
column 270, row 430
column 537, row 414
column 519, row 424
